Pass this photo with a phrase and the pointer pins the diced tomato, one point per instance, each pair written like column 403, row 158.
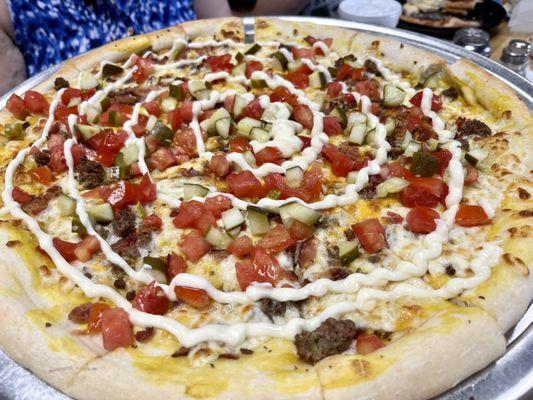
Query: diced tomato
column 186, row 112
column 468, row 215
column 444, row 157
column 268, row 155
column 54, row 140
column 241, row 246
column 144, row 69
column 332, row 126
column 421, row 219
column 306, row 140
column 341, row 164
column 239, row 144
column 153, row 223
column 197, row 298
column 304, row 69
column 162, row 159
column 228, row 102
column 95, row 317
column 252, row 66
column 151, row 299
column 219, row 165
column 219, row 63
column 282, row 94
column 253, row 109
column 20, row 196
column 436, row 101
column 176, row 265
column 303, row 53
column 57, row 159
column 107, row 144
column 298, row 79
column 334, row 89
column 174, row 118
column 145, row 190
column 72, row 93
column 87, row 248
column 119, row 195
column 153, row 108
column 369, row 88
column 116, row 329
column 194, row 246
column 303, row 115
column 277, row 240
column 17, row 107
column 36, row 102
column 187, row 140
column 217, row 205
column 206, row 114
column 367, row 344
column 397, row 170
column 244, row 184
column 471, row 175
column 264, row 269
column 62, row 112
column 347, row 71
column 413, row 196
column 41, row 174
column 66, row 249
column 308, row 191
column 392, row 218
column 371, row 234
column 189, row 212
column 205, row 222
column 300, row 231
column 434, row 186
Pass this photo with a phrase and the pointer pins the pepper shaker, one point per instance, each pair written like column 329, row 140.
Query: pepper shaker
column 515, row 56
column 473, row 39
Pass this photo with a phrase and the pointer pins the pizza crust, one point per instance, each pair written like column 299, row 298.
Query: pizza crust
column 268, row 29
column 122, row 49
column 219, row 28
column 491, row 93
column 448, row 347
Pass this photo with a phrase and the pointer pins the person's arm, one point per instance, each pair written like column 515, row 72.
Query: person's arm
column 221, row 8
column 267, row 7
column 12, row 66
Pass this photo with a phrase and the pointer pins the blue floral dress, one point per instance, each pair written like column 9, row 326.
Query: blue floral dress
column 49, row 31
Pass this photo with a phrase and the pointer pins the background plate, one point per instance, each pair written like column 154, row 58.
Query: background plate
column 508, row 378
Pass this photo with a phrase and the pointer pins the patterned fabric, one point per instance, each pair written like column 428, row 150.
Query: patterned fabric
column 49, row 31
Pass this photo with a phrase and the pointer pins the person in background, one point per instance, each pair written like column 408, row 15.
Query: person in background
column 37, row 34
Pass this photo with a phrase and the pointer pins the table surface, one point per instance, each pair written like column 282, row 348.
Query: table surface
column 500, row 37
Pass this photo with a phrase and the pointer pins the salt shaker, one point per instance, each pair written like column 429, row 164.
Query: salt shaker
column 516, row 56
column 473, row 39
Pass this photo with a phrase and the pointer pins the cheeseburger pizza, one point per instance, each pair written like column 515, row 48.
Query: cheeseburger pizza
column 317, row 214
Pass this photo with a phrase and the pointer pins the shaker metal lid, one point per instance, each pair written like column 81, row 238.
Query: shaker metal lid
column 516, row 52
column 473, row 39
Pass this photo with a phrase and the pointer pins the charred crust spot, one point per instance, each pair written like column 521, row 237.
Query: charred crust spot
column 523, row 194
column 450, row 270
column 401, row 46
column 229, row 356
column 47, row 324
column 182, row 352
column 144, row 335
column 525, row 213
column 516, row 263
column 246, row 352
column 13, row 243
column 374, row 45
column 295, row 32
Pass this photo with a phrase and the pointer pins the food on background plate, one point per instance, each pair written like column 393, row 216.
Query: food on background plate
column 440, row 13
column 318, row 214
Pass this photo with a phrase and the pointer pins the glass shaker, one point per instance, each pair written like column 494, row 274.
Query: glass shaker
column 473, row 39
column 516, row 56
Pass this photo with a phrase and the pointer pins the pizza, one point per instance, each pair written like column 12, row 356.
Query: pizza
column 440, row 13
column 319, row 213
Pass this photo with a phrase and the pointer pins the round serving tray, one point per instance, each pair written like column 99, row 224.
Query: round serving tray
column 508, row 378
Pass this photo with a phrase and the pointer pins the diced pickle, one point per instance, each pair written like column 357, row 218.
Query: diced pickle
column 13, row 130
column 424, row 164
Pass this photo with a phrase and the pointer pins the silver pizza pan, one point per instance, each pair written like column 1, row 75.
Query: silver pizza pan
column 508, row 378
